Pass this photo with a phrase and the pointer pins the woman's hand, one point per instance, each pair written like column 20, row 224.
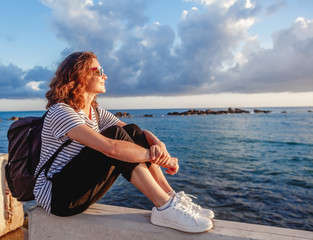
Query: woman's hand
column 172, row 167
column 163, row 159
column 158, row 148
column 159, row 154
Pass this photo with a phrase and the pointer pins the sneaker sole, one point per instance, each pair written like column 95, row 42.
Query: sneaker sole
column 172, row 225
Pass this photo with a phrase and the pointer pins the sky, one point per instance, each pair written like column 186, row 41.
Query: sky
column 162, row 53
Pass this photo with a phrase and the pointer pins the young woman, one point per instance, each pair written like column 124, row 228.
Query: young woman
column 102, row 148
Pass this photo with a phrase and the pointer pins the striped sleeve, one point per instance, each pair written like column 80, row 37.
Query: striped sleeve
column 106, row 119
column 63, row 119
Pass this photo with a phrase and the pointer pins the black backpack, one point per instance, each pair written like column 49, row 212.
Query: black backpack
column 24, row 136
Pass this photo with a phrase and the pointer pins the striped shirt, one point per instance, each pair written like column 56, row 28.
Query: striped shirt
column 60, row 119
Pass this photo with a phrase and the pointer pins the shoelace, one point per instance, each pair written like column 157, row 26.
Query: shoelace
column 187, row 210
column 186, row 199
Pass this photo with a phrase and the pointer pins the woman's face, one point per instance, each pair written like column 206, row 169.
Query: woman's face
column 96, row 84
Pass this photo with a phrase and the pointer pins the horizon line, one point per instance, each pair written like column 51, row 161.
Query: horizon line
column 156, row 108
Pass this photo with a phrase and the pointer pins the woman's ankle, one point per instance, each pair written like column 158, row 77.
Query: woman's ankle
column 161, row 201
column 165, row 205
column 171, row 193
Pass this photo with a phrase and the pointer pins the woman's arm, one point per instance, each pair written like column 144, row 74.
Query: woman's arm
column 118, row 149
column 158, row 149
column 158, row 152
column 152, row 139
column 121, row 124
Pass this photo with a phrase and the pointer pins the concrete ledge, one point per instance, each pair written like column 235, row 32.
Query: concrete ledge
column 112, row 222
column 11, row 211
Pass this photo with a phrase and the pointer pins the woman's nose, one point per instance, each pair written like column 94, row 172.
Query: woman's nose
column 104, row 77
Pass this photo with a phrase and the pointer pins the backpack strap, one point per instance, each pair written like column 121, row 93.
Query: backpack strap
column 30, row 137
column 48, row 164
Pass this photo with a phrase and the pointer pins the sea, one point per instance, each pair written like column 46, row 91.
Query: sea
column 253, row 168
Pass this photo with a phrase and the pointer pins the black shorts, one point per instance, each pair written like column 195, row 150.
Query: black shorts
column 90, row 174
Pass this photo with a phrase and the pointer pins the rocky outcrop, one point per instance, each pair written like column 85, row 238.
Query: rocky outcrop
column 123, row 115
column 13, row 118
column 261, row 111
column 148, row 115
column 207, row 112
column 310, row 111
column 237, row 110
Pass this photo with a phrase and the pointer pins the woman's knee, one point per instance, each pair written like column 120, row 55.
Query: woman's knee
column 111, row 131
column 137, row 135
column 132, row 129
column 116, row 132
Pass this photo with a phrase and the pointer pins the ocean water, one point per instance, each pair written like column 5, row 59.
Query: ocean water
column 255, row 168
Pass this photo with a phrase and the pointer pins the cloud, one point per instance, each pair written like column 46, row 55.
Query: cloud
column 144, row 58
column 211, row 50
column 285, row 67
column 275, row 7
column 19, row 84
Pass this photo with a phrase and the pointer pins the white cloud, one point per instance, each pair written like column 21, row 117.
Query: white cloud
column 34, row 85
column 222, row 3
column 18, row 84
column 214, row 53
column 227, row 3
column 239, row 27
column 184, row 14
column 147, row 62
column 249, row 4
column 285, row 67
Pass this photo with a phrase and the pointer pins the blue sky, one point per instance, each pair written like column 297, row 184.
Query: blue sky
column 163, row 53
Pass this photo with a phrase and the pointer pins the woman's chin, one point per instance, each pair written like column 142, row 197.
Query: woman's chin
column 103, row 90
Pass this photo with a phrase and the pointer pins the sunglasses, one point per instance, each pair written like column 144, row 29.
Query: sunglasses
column 98, row 70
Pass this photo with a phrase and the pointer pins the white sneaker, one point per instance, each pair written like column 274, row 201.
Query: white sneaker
column 180, row 217
column 186, row 199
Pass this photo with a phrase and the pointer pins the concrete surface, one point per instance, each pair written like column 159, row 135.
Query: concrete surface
column 112, row 222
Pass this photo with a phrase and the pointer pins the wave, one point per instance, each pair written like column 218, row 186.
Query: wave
column 273, row 142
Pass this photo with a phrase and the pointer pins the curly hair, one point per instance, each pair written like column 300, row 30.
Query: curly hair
column 69, row 83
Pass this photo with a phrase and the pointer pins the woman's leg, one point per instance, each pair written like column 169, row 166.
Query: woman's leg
column 145, row 182
column 173, row 213
column 169, row 212
column 139, row 138
column 159, row 177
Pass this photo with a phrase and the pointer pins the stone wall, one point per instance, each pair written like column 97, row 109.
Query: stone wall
column 11, row 211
